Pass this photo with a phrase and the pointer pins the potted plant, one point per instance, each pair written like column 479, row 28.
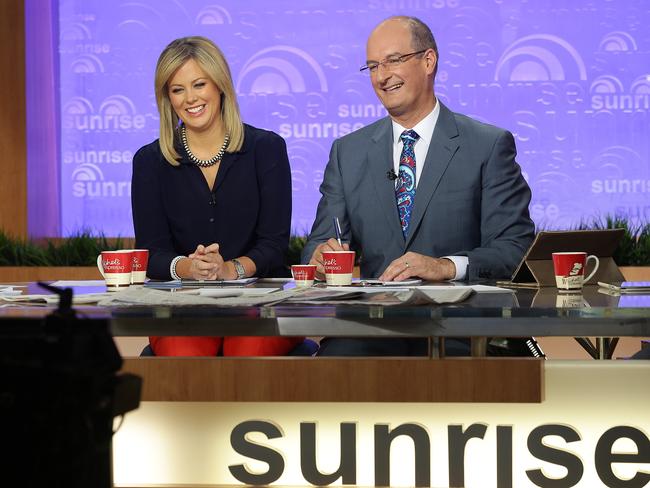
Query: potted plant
column 633, row 252
column 73, row 258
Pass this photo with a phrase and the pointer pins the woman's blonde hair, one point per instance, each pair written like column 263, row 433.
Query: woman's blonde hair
column 210, row 58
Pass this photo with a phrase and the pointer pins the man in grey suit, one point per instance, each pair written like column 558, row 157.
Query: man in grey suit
column 425, row 192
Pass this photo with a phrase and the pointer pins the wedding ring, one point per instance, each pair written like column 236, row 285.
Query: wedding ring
column 407, row 264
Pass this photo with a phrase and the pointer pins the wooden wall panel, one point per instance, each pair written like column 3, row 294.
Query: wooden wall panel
column 13, row 150
column 281, row 379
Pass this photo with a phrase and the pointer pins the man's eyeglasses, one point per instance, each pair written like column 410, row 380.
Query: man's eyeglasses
column 390, row 63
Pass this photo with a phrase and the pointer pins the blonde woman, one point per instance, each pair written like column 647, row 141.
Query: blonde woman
column 211, row 198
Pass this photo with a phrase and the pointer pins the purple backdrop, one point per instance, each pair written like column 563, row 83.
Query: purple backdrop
column 571, row 80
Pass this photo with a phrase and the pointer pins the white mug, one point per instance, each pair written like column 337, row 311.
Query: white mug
column 116, row 268
column 570, row 267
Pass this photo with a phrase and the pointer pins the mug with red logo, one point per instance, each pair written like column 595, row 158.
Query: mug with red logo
column 338, row 267
column 570, row 269
column 116, row 267
column 139, row 269
column 303, row 274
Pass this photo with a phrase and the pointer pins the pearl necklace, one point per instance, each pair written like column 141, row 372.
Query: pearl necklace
column 204, row 163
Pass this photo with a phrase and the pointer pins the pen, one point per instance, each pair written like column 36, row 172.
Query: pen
column 337, row 229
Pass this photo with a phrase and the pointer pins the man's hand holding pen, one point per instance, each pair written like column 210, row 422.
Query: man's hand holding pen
column 317, row 258
column 410, row 265
column 333, row 244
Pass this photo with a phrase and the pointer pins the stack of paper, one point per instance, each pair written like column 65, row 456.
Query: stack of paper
column 9, row 291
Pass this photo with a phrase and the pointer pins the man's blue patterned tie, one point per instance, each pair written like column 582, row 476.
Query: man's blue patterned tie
column 405, row 189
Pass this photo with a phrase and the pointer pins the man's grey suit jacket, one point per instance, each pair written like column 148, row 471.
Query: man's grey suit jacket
column 471, row 198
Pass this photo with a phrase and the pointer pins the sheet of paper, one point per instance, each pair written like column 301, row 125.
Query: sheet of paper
column 9, row 291
column 218, row 283
column 389, row 286
column 163, row 285
column 364, row 289
column 320, row 295
column 194, row 284
column 476, row 288
column 413, row 282
column 62, row 283
column 234, row 292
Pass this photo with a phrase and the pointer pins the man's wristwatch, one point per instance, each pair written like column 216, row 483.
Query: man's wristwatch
column 239, row 269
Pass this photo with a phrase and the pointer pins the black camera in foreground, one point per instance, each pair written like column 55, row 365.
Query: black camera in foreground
column 60, row 392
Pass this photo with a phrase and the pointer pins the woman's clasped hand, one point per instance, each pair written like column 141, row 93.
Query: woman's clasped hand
column 207, row 263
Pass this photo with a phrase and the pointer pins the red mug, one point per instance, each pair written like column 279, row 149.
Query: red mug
column 139, row 269
column 338, row 267
column 303, row 274
column 570, row 269
column 116, row 267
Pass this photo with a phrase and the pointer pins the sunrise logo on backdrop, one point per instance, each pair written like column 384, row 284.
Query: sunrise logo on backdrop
column 84, row 178
column 468, row 23
column 87, row 172
column 117, row 105
column 116, row 113
column 74, row 110
column 608, row 93
column 540, row 58
column 306, row 155
column 354, row 100
column 606, row 90
column 554, row 205
column 213, row 15
column 86, row 64
column 641, row 88
column 281, row 69
column 606, row 84
column 465, row 47
column 144, row 21
column 88, row 182
column 76, row 32
column 77, row 39
column 618, row 42
column 623, row 179
column 623, row 171
column 141, row 13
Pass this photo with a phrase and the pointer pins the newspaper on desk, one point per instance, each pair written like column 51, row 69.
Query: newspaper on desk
column 414, row 296
column 305, row 296
column 320, row 296
column 148, row 296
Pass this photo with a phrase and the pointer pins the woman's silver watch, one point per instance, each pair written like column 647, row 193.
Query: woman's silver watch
column 239, row 269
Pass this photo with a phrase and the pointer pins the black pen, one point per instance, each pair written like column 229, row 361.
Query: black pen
column 337, row 229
